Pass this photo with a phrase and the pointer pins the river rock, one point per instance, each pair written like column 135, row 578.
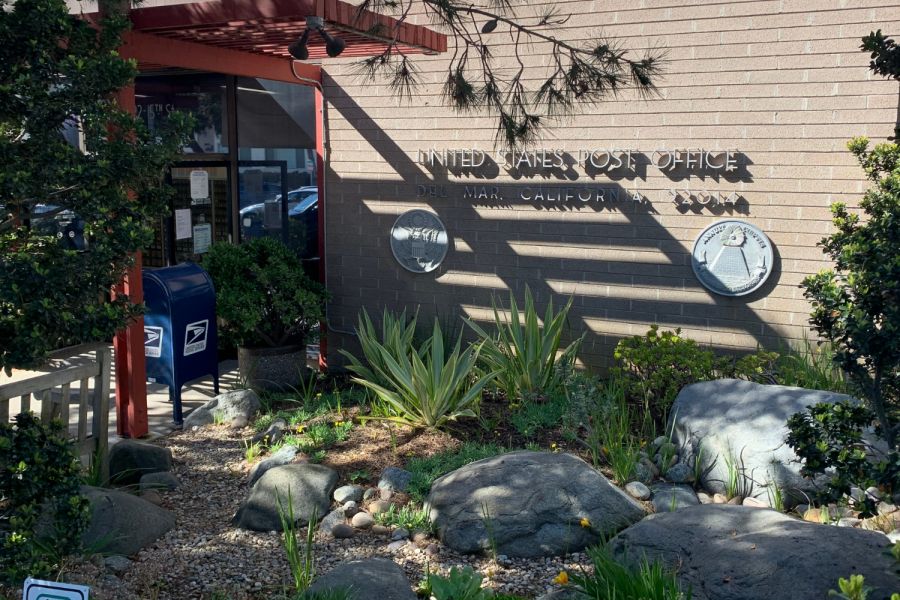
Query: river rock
column 638, row 490
column 239, row 403
column 129, row 460
column 310, row 488
column 664, row 494
column 394, row 479
column 536, row 502
column 741, row 553
column 125, row 522
column 160, row 482
column 366, row 579
column 680, row 473
column 348, row 493
column 749, row 420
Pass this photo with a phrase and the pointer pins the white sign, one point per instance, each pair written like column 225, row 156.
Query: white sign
column 202, row 238
column 182, row 224
column 310, row 166
column 195, row 337
column 199, row 184
column 153, row 337
column 36, row 589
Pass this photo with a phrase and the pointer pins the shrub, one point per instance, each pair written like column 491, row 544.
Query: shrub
column 829, row 438
column 427, row 388
column 856, row 305
column 590, row 403
column 525, row 358
column 397, row 337
column 263, row 297
column 426, row 470
column 38, row 473
column 460, row 585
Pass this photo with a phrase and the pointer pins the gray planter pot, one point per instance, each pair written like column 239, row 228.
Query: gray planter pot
column 280, row 369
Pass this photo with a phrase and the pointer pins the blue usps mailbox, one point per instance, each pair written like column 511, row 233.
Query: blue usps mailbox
column 180, row 328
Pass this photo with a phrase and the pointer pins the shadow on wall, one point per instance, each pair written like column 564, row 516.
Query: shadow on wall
column 364, row 273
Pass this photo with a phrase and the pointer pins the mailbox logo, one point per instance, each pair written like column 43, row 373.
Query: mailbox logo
column 195, row 337
column 153, row 337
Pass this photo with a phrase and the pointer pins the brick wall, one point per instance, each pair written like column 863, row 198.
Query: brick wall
column 783, row 81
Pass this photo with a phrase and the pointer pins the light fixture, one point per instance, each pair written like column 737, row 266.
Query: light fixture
column 333, row 45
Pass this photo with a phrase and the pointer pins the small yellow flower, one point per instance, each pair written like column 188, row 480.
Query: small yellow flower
column 585, row 522
column 605, row 451
column 338, row 424
column 490, row 573
column 319, row 394
column 553, row 445
column 562, row 578
column 526, row 432
column 643, row 443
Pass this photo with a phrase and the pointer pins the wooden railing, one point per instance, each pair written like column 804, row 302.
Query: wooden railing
column 52, row 408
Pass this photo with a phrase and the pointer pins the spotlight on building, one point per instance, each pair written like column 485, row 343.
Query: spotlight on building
column 333, row 45
column 298, row 49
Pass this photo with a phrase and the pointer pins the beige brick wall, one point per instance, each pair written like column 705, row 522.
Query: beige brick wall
column 783, row 81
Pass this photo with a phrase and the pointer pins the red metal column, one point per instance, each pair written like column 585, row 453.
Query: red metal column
column 320, row 182
column 131, row 373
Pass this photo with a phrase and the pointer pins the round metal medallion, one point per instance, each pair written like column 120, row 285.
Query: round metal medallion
column 732, row 257
column 419, row 241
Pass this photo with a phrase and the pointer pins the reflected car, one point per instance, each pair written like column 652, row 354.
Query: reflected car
column 303, row 221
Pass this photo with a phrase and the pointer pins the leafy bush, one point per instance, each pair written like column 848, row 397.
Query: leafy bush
column 53, row 65
column 38, row 473
column 525, row 358
column 855, row 589
column 426, row 470
column 830, row 437
column 657, row 365
column 397, row 335
column 407, row 516
column 619, row 579
column 856, row 305
column 460, row 585
column 427, row 388
column 263, row 297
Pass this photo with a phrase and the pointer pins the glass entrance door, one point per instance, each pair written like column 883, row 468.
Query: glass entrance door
column 199, row 214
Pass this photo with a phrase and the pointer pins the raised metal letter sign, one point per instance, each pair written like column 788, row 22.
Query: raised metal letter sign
column 732, row 257
column 419, row 241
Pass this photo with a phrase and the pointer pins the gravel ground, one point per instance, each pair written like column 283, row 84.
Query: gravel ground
column 205, row 553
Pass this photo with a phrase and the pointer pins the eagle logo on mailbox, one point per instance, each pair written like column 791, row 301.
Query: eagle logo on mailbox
column 195, row 337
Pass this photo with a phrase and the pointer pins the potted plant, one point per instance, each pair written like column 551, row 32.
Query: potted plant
column 268, row 307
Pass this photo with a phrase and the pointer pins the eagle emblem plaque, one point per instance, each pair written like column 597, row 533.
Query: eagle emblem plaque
column 419, row 241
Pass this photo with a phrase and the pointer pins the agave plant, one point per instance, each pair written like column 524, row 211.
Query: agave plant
column 424, row 387
column 396, row 338
column 526, row 357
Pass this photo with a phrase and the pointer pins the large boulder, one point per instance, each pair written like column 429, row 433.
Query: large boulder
column 746, row 421
column 284, row 456
column 730, row 552
column 366, row 579
column 535, row 502
column 310, row 488
column 123, row 523
column 129, row 460
column 239, row 403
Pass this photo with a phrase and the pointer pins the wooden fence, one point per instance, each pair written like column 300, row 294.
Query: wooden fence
column 53, row 406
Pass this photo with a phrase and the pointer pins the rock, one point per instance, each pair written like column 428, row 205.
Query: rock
column 432, row 549
column 310, row 488
column 386, row 494
column 270, row 436
column 648, row 464
column 742, row 553
column 665, row 493
column 231, row 405
column 381, row 530
column 239, row 422
column 116, row 564
column 420, row 536
column 342, row 531
column 379, row 506
column 848, row 522
column 801, row 509
column 564, row 594
column 153, row 497
column 284, row 456
column 753, row 502
column 736, row 500
column 638, row 490
column 642, row 473
column 348, row 493
column 161, row 482
column 748, row 421
column 363, row 520
column 885, row 508
column 367, row 579
column 349, row 509
column 332, row 519
column 129, row 460
column 894, row 537
column 720, row 499
column 704, row 498
column 370, row 493
column 536, row 502
column 394, row 479
column 401, row 533
column 680, row 473
column 396, row 545
column 127, row 523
